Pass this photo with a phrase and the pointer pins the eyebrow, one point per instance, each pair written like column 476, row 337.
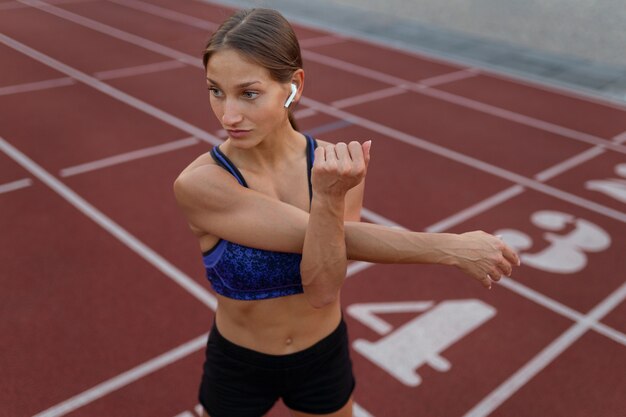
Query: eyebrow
column 242, row 85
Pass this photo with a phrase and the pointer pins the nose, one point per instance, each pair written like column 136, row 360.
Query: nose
column 232, row 114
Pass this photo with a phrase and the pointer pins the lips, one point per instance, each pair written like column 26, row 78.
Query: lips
column 237, row 133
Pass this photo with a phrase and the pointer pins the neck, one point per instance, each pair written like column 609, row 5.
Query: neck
column 277, row 147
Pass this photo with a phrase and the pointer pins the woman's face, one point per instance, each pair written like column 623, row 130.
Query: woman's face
column 245, row 99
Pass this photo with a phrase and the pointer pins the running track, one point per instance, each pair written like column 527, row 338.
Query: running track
column 104, row 305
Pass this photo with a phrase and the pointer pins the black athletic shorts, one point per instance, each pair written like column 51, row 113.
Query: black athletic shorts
column 240, row 382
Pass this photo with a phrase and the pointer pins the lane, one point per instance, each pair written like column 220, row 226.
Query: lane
column 547, row 356
column 95, row 51
column 79, row 307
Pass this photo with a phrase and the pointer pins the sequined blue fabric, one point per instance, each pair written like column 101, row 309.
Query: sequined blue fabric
column 245, row 273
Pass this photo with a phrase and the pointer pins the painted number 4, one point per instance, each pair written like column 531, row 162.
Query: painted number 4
column 566, row 252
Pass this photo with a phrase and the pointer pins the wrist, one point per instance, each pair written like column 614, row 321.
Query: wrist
column 448, row 248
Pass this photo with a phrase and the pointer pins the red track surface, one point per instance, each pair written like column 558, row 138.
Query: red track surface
column 94, row 261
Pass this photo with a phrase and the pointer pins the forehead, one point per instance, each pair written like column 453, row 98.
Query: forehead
column 229, row 66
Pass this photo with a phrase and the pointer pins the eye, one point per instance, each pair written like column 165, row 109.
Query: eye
column 215, row 92
column 250, row 95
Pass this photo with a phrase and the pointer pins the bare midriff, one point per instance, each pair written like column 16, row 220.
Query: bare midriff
column 277, row 326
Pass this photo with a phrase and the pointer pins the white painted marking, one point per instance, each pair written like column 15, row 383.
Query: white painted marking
column 359, row 411
column 373, row 217
column 476, row 209
column 126, row 378
column 464, row 159
column 35, row 86
column 111, row 91
column 346, row 66
column 138, row 70
column 185, row 414
column 134, row 244
column 167, row 14
column 565, row 254
column 570, row 163
column 15, row 185
column 521, row 119
column 448, row 78
column 561, row 309
column 510, row 284
column 545, row 357
column 421, row 340
column 10, row 5
column 367, row 313
column 303, row 113
column 128, row 156
column 113, row 32
column 611, row 187
column 369, row 97
column 463, row 101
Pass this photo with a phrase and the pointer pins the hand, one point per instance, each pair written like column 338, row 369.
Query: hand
column 338, row 168
column 485, row 257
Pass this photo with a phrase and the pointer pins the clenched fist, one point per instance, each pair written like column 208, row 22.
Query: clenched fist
column 338, row 168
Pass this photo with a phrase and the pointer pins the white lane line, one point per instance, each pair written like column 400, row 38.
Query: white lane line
column 527, row 372
column 329, row 61
column 576, row 160
column 15, row 185
column 508, row 282
column 36, row 85
column 126, row 378
column 323, row 108
column 103, row 75
column 463, row 101
column 569, row 163
column 476, row 209
column 167, row 14
column 128, row 156
column 111, row 31
column 134, row 244
column 393, row 133
column 521, row 119
column 138, row 70
column 10, row 5
column 448, row 78
column 110, row 91
column 464, row 159
column 368, row 97
column 303, row 113
column 562, row 309
column 337, row 63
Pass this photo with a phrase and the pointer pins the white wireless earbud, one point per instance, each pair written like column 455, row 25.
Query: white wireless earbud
column 294, row 90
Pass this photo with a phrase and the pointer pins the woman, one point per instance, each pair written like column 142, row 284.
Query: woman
column 277, row 218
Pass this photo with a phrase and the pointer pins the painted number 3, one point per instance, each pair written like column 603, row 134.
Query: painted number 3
column 566, row 252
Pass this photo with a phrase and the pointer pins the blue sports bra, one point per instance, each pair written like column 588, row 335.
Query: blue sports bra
column 245, row 273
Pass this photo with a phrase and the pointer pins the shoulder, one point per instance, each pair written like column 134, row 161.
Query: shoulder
column 201, row 181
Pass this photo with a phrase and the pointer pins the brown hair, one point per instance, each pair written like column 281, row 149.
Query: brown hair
column 263, row 36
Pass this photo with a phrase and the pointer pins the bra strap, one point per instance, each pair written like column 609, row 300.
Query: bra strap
column 311, row 145
column 223, row 161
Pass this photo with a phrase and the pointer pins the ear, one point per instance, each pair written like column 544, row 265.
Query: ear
column 298, row 79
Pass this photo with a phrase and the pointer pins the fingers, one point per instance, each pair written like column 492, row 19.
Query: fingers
column 510, row 255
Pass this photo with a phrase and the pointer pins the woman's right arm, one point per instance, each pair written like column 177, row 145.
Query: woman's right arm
column 215, row 203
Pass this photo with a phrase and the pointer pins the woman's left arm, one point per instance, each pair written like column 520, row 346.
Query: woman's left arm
column 337, row 177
